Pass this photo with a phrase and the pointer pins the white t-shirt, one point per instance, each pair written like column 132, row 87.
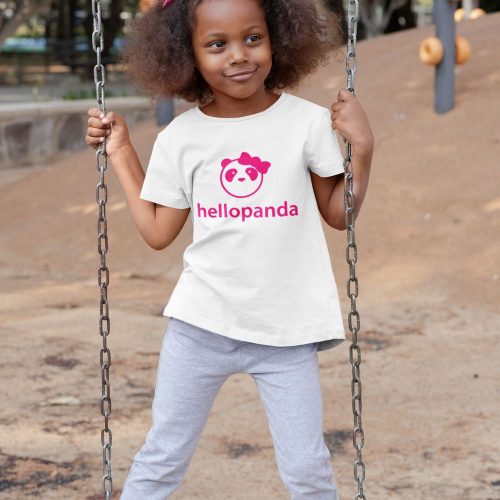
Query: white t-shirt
column 258, row 268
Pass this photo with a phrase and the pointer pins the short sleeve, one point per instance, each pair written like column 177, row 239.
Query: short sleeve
column 322, row 151
column 163, row 183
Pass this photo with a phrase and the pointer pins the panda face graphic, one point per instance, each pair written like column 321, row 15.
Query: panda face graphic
column 243, row 176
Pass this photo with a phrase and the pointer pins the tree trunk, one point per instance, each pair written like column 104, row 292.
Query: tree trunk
column 111, row 27
column 23, row 11
column 406, row 14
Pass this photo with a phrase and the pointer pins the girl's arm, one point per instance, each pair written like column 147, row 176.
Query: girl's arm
column 350, row 120
column 158, row 225
column 361, row 160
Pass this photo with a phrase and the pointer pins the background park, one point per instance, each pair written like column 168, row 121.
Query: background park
column 428, row 267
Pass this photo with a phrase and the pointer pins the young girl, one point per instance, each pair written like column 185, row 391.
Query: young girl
column 254, row 169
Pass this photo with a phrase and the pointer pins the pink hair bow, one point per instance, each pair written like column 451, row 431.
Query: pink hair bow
column 166, row 2
column 255, row 161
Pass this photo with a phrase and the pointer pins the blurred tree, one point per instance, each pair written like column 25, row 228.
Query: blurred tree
column 376, row 17
column 70, row 18
column 401, row 18
column 112, row 27
column 65, row 20
column 382, row 16
column 13, row 13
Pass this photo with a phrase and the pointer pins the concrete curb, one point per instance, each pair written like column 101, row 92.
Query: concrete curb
column 31, row 133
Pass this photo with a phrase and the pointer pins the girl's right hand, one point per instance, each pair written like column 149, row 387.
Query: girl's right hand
column 112, row 126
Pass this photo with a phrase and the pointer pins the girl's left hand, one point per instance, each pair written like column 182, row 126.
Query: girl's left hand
column 351, row 122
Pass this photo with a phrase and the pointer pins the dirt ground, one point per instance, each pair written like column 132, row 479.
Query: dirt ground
column 429, row 272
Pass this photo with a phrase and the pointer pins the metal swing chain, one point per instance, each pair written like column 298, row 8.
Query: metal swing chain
column 102, row 248
column 351, row 257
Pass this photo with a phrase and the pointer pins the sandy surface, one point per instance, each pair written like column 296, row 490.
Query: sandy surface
column 429, row 271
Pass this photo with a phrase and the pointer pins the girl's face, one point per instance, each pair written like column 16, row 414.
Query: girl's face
column 231, row 37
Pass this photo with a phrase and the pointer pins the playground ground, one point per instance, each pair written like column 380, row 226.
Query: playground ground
column 429, row 271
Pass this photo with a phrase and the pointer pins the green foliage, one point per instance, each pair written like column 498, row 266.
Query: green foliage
column 33, row 28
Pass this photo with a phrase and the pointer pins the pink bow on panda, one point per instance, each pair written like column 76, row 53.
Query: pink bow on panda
column 255, row 161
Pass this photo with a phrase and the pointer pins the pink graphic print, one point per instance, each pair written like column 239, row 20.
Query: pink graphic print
column 244, row 176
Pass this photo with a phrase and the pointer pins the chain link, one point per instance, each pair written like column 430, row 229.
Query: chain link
column 352, row 257
column 102, row 248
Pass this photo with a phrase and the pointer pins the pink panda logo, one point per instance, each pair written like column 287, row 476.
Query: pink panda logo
column 244, row 176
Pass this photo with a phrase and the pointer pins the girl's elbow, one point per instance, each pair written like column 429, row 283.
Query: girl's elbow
column 339, row 226
column 156, row 246
column 156, row 243
column 159, row 246
column 337, row 223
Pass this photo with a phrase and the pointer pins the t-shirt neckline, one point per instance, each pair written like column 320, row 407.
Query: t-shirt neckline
column 273, row 106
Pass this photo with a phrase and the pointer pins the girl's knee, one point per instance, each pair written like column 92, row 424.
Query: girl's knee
column 308, row 475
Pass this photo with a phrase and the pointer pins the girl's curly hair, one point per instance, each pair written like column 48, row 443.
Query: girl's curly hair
column 159, row 57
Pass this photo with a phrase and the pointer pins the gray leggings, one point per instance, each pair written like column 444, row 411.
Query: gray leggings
column 193, row 365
